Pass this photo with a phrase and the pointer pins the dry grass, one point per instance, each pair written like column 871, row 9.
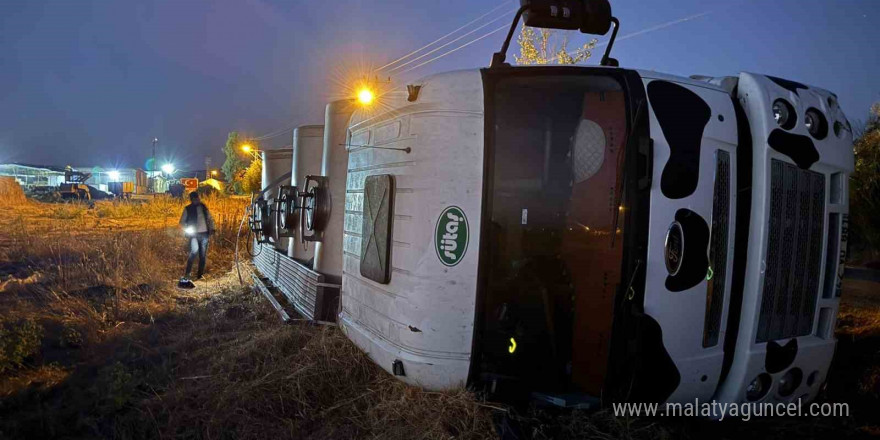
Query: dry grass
column 264, row 380
column 126, row 355
column 856, row 369
column 10, row 190
column 859, row 315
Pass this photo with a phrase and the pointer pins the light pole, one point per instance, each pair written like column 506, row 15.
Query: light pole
column 151, row 182
column 153, row 159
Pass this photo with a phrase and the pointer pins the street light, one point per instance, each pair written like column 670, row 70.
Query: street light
column 168, row 168
column 365, row 96
column 213, row 172
column 113, row 175
column 248, row 148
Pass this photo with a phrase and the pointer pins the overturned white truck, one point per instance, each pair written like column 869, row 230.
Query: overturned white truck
column 586, row 234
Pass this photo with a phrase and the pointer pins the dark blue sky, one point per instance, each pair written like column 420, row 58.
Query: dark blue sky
column 92, row 82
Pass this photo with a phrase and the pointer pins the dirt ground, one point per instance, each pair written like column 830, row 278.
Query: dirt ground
column 97, row 342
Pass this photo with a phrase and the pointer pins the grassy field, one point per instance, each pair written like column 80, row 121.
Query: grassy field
column 96, row 342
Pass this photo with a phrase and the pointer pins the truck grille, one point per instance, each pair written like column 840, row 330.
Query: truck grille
column 718, row 249
column 794, row 248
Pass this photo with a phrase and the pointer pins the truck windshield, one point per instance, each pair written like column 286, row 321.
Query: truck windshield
column 555, row 243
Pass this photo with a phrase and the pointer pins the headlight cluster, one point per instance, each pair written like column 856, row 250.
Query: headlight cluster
column 814, row 120
column 816, row 123
column 790, row 382
column 784, row 114
column 759, row 387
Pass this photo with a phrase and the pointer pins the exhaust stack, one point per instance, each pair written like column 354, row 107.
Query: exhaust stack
column 308, row 144
column 275, row 165
column 334, row 166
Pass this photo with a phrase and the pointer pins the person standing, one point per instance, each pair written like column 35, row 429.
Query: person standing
column 198, row 226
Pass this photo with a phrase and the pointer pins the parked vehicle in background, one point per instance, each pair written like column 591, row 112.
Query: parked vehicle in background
column 74, row 186
column 121, row 189
column 176, row 190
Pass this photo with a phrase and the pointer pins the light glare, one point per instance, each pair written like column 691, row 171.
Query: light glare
column 365, row 96
column 168, row 168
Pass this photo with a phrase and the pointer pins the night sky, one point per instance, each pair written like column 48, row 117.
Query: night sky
column 92, row 82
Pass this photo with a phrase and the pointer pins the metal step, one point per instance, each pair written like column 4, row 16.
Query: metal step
column 262, row 286
column 569, row 400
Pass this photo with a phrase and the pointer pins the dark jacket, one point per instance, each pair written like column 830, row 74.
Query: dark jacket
column 197, row 216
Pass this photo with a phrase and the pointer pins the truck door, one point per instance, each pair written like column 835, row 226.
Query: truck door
column 554, row 246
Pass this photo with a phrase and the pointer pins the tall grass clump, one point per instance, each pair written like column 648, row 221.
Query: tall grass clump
column 68, row 211
column 18, row 341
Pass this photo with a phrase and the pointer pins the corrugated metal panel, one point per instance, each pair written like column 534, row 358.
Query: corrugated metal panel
column 299, row 284
column 794, row 245
column 718, row 249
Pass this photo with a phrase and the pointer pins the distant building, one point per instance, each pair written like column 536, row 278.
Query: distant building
column 32, row 176
column 102, row 177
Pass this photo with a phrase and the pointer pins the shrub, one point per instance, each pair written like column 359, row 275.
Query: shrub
column 71, row 337
column 117, row 385
column 68, row 211
column 252, row 180
column 865, row 191
column 208, row 191
column 18, row 342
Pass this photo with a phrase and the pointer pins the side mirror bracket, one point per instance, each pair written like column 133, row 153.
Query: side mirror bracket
column 606, row 59
column 588, row 16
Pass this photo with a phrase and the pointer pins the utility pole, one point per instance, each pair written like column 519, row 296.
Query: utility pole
column 153, row 166
column 153, row 159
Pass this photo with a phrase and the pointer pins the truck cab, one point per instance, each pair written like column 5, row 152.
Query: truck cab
column 603, row 231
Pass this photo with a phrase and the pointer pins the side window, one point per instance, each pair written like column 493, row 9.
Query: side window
column 376, row 232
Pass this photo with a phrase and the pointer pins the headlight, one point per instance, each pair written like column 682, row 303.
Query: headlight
column 789, row 383
column 759, row 387
column 816, row 123
column 783, row 113
column 189, row 230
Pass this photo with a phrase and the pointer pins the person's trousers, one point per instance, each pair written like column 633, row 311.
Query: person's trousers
column 198, row 246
